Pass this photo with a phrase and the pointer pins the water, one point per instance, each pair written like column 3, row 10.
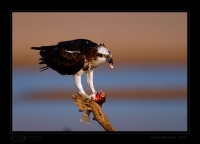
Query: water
column 130, row 77
column 124, row 114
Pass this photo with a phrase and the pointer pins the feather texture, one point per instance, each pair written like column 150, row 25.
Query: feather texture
column 68, row 57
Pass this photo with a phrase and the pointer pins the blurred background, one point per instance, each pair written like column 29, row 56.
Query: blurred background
column 146, row 90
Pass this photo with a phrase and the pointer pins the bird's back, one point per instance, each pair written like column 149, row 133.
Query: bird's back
column 67, row 57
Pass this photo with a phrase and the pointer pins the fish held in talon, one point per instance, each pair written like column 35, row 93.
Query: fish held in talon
column 100, row 97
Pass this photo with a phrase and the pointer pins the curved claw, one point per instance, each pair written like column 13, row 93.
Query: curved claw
column 93, row 96
column 87, row 96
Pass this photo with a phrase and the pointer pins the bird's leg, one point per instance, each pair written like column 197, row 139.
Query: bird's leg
column 77, row 80
column 89, row 76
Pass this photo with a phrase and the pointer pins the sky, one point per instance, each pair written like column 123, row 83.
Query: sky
column 132, row 37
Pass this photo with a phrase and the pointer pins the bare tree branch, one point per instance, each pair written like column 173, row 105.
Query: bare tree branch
column 88, row 104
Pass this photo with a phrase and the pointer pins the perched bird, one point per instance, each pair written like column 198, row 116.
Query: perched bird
column 76, row 57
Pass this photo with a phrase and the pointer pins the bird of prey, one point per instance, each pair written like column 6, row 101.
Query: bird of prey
column 76, row 57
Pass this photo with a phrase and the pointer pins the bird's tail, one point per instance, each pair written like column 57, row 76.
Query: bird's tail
column 47, row 48
column 45, row 53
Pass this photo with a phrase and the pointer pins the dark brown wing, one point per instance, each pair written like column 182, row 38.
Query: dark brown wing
column 67, row 57
column 64, row 62
column 86, row 47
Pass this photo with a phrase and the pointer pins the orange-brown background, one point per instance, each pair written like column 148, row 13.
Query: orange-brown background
column 133, row 37
column 148, row 42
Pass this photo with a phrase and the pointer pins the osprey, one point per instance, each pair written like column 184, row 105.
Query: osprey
column 76, row 57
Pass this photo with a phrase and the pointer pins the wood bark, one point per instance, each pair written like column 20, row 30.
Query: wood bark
column 88, row 104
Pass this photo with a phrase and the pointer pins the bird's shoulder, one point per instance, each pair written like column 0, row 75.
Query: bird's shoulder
column 77, row 45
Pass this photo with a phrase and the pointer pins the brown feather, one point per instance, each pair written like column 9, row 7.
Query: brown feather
column 57, row 57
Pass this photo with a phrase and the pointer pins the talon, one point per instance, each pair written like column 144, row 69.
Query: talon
column 92, row 96
column 80, row 93
column 86, row 99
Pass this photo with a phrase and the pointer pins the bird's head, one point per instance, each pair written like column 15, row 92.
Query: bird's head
column 104, row 55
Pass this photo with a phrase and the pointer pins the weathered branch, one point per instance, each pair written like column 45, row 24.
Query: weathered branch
column 88, row 104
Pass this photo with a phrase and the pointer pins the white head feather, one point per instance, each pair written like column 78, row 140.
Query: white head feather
column 103, row 50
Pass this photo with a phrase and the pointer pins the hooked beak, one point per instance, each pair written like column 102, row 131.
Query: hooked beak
column 110, row 61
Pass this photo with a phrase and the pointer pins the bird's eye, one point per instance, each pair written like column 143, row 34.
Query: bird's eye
column 105, row 55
